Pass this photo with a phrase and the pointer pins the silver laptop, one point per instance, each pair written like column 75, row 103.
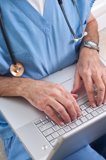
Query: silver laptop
column 45, row 140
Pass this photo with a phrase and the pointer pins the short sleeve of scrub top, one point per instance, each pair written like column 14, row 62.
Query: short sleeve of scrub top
column 43, row 44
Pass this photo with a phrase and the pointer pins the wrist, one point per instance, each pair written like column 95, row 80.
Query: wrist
column 91, row 45
column 24, row 87
column 88, row 52
column 11, row 86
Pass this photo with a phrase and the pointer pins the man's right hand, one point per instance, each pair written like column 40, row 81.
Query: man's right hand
column 59, row 104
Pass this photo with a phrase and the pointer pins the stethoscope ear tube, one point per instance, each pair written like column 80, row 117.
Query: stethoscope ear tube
column 6, row 40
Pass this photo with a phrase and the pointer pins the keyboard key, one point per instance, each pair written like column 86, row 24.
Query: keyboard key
column 78, row 122
column 87, row 104
column 89, row 116
column 83, row 119
column 99, row 110
column 83, row 107
column 67, row 128
column 89, row 110
column 94, row 113
column 48, row 132
column 56, row 128
column 45, row 121
column 39, row 125
column 49, row 138
column 46, row 126
column 84, row 113
column 37, row 122
column 61, row 132
column 104, row 107
column 55, row 135
column 72, row 125
column 53, row 142
column 94, row 108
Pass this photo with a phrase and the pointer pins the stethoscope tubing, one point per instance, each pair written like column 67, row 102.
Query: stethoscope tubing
column 66, row 19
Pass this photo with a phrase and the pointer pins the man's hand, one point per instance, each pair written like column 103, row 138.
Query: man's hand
column 92, row 72
column 53, row 99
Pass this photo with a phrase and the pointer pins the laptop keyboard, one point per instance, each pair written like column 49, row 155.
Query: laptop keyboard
column 51, row 131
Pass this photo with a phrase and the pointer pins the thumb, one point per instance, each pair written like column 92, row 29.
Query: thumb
column 77, row 83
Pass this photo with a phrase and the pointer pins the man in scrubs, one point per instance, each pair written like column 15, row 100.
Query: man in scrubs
column 41, row 41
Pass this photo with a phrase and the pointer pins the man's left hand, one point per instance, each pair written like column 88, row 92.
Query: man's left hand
column 92, row 72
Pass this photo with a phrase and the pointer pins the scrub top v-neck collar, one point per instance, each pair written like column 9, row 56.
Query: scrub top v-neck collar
column 33, row 14
column 38, row 5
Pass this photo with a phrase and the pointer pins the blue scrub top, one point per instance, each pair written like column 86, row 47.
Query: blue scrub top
column 43, row 44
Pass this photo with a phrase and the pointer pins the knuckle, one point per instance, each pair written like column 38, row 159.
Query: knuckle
column 90, row 92
column 41, row 104
column 95, row 73
column 47, row 109
column 68, row 104
column 57, row 85
column 60, row 87
column 73, row 113
column 54, row 93
column 60, row 110
column 53, row 115
column 46, row 100
column 101, row 89
column 86, row 73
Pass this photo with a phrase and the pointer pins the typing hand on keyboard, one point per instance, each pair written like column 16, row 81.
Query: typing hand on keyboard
column 59, row 104
column 92, row 73
column 52, row 132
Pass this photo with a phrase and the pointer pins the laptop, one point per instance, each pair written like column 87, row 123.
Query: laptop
column 42, row 138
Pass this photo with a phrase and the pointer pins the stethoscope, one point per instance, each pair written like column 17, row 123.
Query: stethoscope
column 75, row 38
column 17, row 68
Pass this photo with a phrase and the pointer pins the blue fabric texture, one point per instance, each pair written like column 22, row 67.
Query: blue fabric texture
column 86, row 153
column 43, row 44
column 14, row 149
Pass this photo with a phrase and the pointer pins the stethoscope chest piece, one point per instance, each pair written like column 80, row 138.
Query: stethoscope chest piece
column 17, row 69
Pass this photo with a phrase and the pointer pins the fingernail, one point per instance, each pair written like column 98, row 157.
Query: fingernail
column 100, row 103
column 93, row 105
column 61, row 123
column 74, row 118
column 79, row 114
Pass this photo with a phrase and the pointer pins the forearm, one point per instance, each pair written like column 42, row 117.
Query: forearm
column 11, row 86
column 92, row 30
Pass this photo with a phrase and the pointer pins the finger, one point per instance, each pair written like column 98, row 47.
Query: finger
column 68, row 105
column 52, row 114
column 77, row 108
column 60, row 109
column 74, row 95
column 100, row 89
column 88, row 83
column 77, row 83
column 73, row 108
column 104, row 80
